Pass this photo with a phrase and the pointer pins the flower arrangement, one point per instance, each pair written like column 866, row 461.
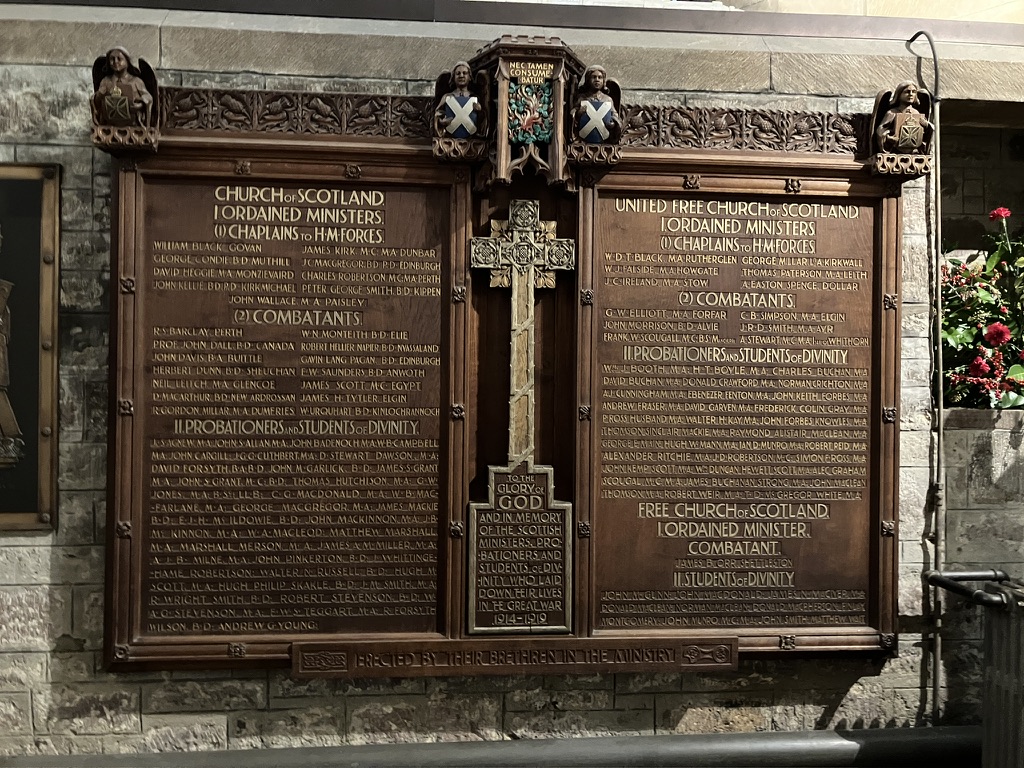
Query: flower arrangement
column 983, row 325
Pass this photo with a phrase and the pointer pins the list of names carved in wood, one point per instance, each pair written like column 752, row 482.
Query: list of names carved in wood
column 290, row 342
column 734, row 374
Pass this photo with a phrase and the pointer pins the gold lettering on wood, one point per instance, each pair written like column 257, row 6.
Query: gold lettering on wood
column 734, row 370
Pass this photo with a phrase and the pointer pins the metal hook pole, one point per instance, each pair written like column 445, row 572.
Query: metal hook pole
column 938, row 480
column 935, row 58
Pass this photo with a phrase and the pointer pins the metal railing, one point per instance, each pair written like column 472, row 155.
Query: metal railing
column 1003, row 689
column 939, row 747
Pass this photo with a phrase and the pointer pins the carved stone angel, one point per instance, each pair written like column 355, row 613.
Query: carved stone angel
column 595, row 114
column 123, row 111
column 123, row 96
column 902, row 131
column 900, row 120
column 461, row 114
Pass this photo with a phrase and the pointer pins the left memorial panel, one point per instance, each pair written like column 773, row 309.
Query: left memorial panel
column 279, row 428
column 29, row 235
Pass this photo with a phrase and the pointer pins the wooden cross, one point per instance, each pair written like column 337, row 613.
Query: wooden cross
column 522, row 254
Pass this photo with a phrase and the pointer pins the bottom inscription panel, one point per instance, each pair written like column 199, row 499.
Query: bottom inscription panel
column 520, row 555
column 431, row 658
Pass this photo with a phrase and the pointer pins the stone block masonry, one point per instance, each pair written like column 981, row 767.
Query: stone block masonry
column 54, row 696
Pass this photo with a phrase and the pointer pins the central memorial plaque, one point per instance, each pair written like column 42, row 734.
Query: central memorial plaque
column 520, row 543
column 520, row 564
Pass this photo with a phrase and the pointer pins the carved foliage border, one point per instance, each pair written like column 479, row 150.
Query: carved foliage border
column 743, row 129
column 235, row 111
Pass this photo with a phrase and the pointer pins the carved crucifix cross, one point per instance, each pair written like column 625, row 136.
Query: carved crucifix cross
column 522, row 254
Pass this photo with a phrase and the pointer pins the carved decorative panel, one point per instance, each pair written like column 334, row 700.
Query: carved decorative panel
column 407, row 117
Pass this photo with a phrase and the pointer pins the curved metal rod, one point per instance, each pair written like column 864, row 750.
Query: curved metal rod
column 935, row 58
column 938, row 479
column 952, row 582
column 988, row 575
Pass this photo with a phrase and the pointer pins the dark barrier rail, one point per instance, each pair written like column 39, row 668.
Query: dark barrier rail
column 1002, row 711
column 941, row 747
column 953, row 581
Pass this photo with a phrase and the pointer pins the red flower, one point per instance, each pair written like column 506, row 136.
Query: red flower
column 997, row 334
column 978, row 367
column 999, row 213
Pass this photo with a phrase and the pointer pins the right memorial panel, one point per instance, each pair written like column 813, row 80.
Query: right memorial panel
column 738, row 447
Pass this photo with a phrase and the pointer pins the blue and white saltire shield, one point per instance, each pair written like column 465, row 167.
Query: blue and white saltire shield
column 595, row 120
column 459, row 111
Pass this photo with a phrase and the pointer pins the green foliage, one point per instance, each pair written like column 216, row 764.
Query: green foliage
column 983, row 325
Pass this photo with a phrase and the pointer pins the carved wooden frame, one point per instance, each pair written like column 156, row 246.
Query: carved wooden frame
column 223, row 132
column 245, row 161
column 665, row 173
column 224, row 111
column 42, row 512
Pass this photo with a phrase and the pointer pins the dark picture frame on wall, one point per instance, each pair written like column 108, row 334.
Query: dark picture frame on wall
column 29, row 244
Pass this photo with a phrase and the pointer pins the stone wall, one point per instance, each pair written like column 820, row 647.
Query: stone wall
column 984, row 513
column 1011, row 11
column 54, row 695
column 981, row 170
column 985, row 489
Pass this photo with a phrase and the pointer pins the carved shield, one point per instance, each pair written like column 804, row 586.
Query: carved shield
column 463, row 120
column 118, row 109
column 910, row 133
column 594, row 120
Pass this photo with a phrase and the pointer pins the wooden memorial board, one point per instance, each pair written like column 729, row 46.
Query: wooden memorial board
column 744, row 381
column 29, row 245
column 281, row 385
column 324, row 346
